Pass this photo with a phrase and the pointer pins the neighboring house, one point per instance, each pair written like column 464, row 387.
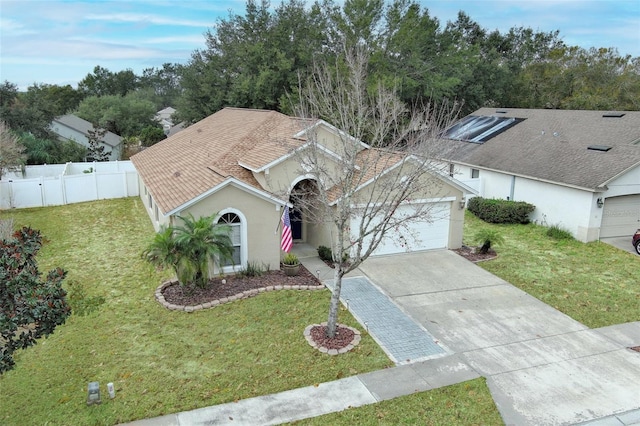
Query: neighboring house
column 581, row 169
column 239, row 163
column 164, row 117
column 73, row 128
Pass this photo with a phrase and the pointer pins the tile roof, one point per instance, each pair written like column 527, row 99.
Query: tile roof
column 205, row 154
column 552, row 145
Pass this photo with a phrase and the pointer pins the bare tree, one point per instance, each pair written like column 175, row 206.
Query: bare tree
column 11, row 150
column 96, row 150
column 360, row 187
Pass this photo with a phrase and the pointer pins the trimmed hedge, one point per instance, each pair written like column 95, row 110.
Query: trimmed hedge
column 500, row 211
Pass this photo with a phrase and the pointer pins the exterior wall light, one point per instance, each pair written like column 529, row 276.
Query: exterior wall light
column 463, row 203
column 600, row 202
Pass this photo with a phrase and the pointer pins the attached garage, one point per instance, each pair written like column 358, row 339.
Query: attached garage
column 620, row 216
column 418, row 235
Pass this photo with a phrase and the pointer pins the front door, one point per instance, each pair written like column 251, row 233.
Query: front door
column 296, row 223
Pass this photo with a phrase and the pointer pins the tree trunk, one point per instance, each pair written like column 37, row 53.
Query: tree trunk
column 332, row 322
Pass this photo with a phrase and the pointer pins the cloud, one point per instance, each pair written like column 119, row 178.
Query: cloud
column 146, row 19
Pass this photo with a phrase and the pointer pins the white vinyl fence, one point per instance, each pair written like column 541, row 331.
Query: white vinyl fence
column 58, row 184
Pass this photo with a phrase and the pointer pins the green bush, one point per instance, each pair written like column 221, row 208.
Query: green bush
column 500, row 211
column 325, row 253
column 253, row 269
column 558, row 233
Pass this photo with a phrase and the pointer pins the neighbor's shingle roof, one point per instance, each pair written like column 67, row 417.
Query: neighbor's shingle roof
column 83, row 126
column 208, row 152
column 552, row 145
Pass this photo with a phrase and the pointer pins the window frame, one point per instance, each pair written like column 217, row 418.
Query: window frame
column 242, row 224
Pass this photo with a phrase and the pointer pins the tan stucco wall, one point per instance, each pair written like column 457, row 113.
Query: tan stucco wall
column 261, row 219
column 157, row 218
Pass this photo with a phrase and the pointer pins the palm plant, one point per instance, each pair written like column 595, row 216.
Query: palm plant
column 191, row 249
column 488, row 237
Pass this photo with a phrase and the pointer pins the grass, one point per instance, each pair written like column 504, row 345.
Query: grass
column 594, row 283
column 159, row 360
column 466, row 403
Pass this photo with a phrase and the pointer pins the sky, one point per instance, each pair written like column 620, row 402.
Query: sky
column 61, row 41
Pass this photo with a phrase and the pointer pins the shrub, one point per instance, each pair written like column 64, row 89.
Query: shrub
column 253, row 270
column 486, row 238
column 558, row 233
column 500, row 211
column 31, row 305
column 325, row 253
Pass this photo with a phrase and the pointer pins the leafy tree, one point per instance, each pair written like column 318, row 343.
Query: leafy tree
column 24, row 112
column 96, row 150
column 11, row 151
column 50, row 150
column 32, row 307
column 124, row 116
column 411, row 138
column 103, row 82
column 163, row 84
column 191, row 249
column 252, row 60
column 576, row 78
column 151, row 135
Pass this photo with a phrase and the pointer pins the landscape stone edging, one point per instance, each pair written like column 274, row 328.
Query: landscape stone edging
column 213, row 303
column 356, row 340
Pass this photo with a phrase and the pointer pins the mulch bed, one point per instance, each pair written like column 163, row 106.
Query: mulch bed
column 232, row 285
column 344, row 336
column 472, row 254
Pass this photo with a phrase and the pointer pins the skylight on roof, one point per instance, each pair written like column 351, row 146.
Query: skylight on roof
column 602, row 148
column 480, row 129
column 613, row 115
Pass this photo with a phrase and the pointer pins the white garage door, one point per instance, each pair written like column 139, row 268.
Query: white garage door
column 621, row 216
column 416, row 236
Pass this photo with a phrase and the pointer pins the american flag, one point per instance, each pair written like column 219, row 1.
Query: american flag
column 287, row 240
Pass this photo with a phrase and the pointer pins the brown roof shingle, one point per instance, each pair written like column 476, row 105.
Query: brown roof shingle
column 205, row 154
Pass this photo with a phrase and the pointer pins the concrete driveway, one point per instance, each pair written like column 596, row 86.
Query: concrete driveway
column 542, row 367
column 623, row 243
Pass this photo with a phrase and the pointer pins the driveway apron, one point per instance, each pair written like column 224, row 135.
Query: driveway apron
column 542, row 367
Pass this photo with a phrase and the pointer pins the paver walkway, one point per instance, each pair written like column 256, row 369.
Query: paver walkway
column 399, row 336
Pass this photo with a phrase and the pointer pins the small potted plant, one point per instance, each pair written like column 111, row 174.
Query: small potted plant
column 291, row 264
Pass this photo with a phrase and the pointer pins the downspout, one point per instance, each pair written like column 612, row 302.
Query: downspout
column 513, row 187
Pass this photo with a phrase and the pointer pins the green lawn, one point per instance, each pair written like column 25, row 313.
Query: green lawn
column 594, row 283
column 160, row 361
column 466, row 403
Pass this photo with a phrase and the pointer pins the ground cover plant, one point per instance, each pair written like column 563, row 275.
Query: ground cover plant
column 467, row 403
column 594, row 283
column 160, row 361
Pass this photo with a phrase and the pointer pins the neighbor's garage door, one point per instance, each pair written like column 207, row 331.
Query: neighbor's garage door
column 416, row 235
column 621, row 216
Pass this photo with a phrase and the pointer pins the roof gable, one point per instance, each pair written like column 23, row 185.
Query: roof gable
column 553, row 145
column 205, row 154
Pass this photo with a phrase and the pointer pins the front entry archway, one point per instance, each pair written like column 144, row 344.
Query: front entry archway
column 301, row 198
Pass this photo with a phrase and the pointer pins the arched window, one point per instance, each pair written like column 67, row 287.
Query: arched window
column 235, row 223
